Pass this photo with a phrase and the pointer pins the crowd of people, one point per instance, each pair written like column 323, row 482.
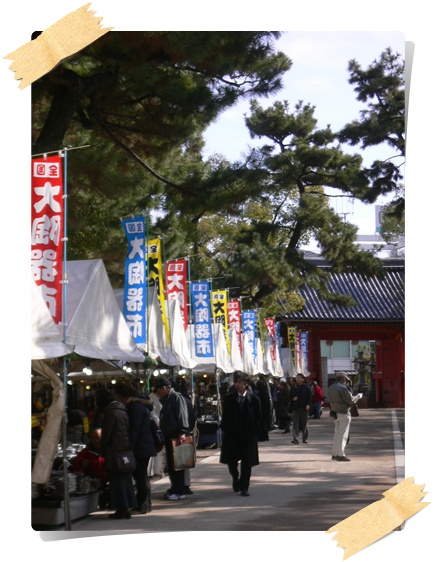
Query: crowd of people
column 295, row 400
column 124, row 421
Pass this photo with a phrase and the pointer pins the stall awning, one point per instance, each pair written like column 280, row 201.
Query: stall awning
column 95, row 325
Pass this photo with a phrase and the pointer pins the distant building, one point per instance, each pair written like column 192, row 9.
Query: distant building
column 377, row 321
column 370, row 241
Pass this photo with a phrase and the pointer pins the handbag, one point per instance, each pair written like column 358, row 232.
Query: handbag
column 157, row 435
column 183, row 453
column 124, row 462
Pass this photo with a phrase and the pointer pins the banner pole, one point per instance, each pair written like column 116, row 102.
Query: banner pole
column 190, row 323
column 147, row 292
column 67, row 518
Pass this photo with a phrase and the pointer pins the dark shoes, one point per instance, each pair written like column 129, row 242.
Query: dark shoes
column 295, row 441
column 141, row 510
column 304, row 441
column 340, row 459
column 237, row 488
column 120, row 515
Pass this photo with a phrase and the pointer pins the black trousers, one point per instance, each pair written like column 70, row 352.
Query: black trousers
column 121, row 491
column 300, row 419
column 244, row 478
column 143, row 489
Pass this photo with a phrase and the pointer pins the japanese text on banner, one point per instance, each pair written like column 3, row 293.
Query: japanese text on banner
column 135, row 276
column 249, row 327
column 155, row 279
column 202, row 318
column 219, row 312
column 269, row 322
column 234, row 319
column 176, row 286
column 292, row 341
column 47, row 228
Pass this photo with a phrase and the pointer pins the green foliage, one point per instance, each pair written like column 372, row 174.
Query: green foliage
column 142, row 100
column 382, row 88
column 393, row 223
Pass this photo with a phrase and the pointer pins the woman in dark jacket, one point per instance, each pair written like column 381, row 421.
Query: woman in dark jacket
column 115, row 438
column 141, row 443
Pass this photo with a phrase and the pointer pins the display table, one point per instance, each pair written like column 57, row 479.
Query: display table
column 51, row 511
column 209, row 433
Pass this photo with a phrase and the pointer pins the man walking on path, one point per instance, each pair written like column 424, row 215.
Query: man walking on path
column 301, row 401
column 174, row 424
column 241, row 424
column 341, row 400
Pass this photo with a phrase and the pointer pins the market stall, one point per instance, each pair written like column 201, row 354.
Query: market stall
column 94, row 328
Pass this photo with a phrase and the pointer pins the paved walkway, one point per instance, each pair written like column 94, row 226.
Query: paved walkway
column 295, row 487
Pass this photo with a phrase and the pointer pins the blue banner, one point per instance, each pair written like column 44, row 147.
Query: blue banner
column 135, row 276
column 249, row 327
column 279, row 341
column 304, row 345
column 202, row 318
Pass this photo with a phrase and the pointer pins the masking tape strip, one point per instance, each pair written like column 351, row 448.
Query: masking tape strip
column 380, row 518
column 63, row 39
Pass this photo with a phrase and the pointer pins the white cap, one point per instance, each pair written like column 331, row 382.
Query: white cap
column 342, row 375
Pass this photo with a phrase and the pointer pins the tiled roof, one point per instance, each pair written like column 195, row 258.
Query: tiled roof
column 378, row 300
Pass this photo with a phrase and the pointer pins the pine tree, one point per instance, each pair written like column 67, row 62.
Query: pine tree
column 382, row 88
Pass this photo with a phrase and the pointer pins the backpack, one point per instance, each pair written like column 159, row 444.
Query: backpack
column 158, row 438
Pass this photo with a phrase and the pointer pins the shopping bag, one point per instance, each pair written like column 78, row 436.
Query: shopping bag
column 183, row 453
column 124, row 462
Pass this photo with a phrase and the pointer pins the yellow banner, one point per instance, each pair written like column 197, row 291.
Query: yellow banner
column 219, row 312
column 292, row 342
column 155, row 279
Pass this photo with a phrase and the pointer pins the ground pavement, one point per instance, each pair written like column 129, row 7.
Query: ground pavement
column 294, row 488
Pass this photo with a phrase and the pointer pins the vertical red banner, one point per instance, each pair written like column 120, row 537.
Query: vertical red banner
column 176, row 286
column 272, row 332
column 47, row 230
column 234, row 319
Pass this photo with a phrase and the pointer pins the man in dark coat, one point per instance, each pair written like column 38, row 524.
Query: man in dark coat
column 283, row 400
column 301, row 401
column 241, row 424
column 174, row 424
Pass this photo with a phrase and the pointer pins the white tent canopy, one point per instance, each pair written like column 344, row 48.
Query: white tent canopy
column 235, row 355
column 177, row 352
column 261, row 366
column 95, row 325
